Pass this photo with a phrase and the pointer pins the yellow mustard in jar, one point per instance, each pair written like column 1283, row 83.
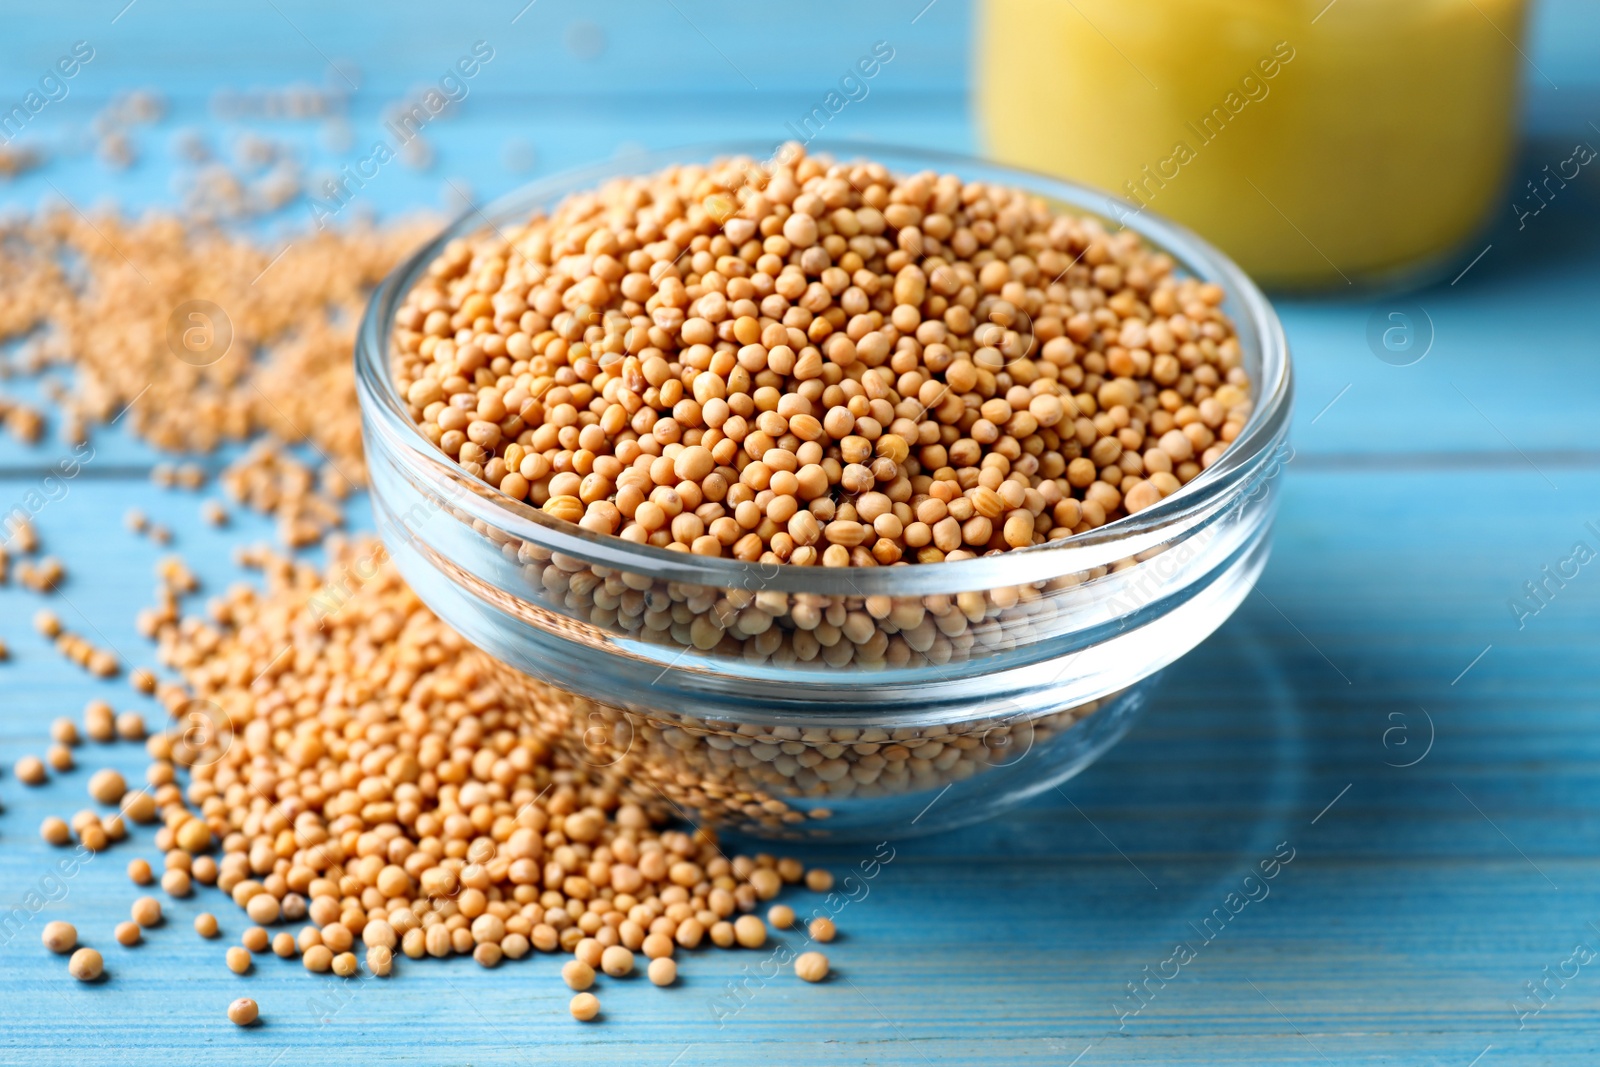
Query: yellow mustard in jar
column 1322, row 145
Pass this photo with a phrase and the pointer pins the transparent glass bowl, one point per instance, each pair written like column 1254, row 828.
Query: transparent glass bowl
column 798, row 702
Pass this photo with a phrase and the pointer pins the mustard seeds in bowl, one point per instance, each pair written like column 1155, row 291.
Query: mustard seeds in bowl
column 796, row 493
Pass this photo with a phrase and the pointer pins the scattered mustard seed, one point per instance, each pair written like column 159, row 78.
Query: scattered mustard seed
column 663, row 971
column 822, row 929
column 577, row 974
column 146, row 911
column 238, row 959
column 99, row 721
column 617, row 961
column 107, row 786
column 205, row 924
column 127, row 933
column 60, row 937
column 86, row 965
column 30, row 771
column 584, row 1007
column 750, row 931
column 55, row 830
column 811, row 966
column 243, row 1012
column 781, row 916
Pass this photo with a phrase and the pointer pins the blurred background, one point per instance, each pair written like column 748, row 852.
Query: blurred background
column 1382, row 142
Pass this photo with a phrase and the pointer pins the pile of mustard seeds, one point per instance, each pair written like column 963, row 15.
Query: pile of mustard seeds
column 813, row 362
column 362, row 790
column 191, row 335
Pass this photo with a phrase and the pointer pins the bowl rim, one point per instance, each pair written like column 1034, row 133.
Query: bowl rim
column 385, row 415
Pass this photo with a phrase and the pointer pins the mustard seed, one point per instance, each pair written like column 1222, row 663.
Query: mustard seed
column 99, row 721
column 819, row 880
column 750, row 931
column 47, row 622
column 146, row 911
column 86, row 965
column 811, row 966
column 380, row 960
column 317, row 958
column 283, row 944
column 59, row 757
column 577, row 974
column 139, row 806
column 128, row 934
column 60, row 937
column 344, row 964
column 205, row 924
column 30, row 771
column 822, row 929
column 781, row 916
column 584, row 1007
column 255, row 939
column 64, row 731
column 107, row 786
column 55, row 830
column 663, row 971
column 617, row 962
column 139, row 872
column 130, row 724
column 238, row 959
column 177, row 883
column 243, row 1012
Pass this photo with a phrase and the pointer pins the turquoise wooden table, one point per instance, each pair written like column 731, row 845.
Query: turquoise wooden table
column 1418, row 762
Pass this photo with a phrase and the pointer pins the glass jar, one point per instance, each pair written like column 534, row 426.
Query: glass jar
column 1320, row 144
column 808, row 701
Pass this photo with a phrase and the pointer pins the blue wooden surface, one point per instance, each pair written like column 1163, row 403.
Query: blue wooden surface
column 1419, row 501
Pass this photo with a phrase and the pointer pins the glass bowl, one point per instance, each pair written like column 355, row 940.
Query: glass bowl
column 802, row 702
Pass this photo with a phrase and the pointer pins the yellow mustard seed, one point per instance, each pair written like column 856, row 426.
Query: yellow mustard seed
column 146, row 911
column 617, row 961
column 243, row 1012
column 128, row 933
column 822, row 929
column 60, row 937
column 238, row 959
column 86, row 965
column 30, row 770
column 107, row 786
column 205, row 924
column 750, row 931
column 584, row 1007
column 577, row 974
column 811, row 966
column 663, row 971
